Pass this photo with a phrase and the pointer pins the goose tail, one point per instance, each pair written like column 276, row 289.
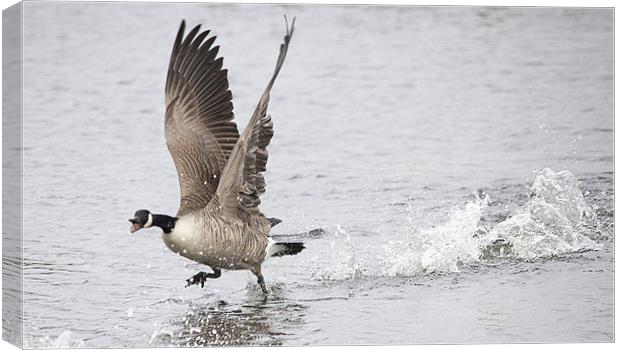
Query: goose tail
column 281, row 248
column 274, row 221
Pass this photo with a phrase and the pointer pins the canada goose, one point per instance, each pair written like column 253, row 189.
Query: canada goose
column 218, row 222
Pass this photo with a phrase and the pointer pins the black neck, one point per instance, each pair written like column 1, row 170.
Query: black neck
column 165, row 222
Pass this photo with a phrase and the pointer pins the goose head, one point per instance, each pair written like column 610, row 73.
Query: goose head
column 141, row 219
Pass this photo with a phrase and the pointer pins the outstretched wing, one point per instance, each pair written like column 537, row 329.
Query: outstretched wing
column 242, row 182
column 200, row 133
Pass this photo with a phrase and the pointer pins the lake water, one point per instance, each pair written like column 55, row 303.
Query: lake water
column 450, row 170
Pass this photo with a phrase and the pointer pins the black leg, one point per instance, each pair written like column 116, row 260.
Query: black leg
column 261, row 282
column 201, row 277
column 256, row 270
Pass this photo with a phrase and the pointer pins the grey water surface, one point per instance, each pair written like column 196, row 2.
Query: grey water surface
column 418, row 152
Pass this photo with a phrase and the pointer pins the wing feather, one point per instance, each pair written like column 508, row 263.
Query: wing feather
column 238, row 193
column 200, row 131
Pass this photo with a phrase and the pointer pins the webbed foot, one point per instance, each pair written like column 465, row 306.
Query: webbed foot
column 201, row 278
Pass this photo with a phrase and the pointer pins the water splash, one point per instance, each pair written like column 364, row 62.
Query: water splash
column 442, row 248
column 349, row 266
column 66, row 339
column 555, row 220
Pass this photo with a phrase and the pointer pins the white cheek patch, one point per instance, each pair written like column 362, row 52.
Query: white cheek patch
column 149, row 222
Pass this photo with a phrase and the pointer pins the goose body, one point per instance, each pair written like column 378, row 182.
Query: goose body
column 218, row 241
column 219, row 223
